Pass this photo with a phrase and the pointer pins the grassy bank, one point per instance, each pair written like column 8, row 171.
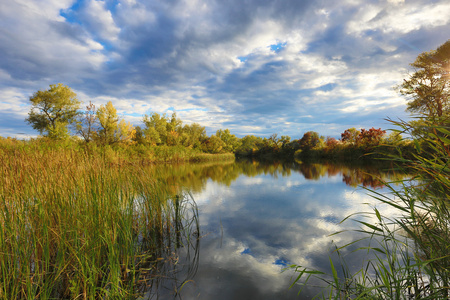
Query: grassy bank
column 114, row 154
column 80, row 226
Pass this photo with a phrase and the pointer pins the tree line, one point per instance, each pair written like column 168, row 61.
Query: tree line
column 56, row 113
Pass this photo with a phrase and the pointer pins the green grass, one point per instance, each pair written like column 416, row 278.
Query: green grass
column 408, row 255
column 74, row 226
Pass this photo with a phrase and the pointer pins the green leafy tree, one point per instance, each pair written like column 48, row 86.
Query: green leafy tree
column 274, row 142
column 173, row 129
column 230, row 140
column 249, row 145
column 174, row 124
column 156, row 128
column 393, row 138
column 139, row 135
column 53, row 110
column 152, row 136
column 285, row 140
column 428, row 88
column 193, row 135
column 214, row 145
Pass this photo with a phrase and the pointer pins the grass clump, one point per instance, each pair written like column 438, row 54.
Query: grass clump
column 76, row 227
column 408, row 254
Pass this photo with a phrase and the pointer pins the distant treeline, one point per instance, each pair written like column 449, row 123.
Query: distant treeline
column 166, row 139
column 56, row 113
column 354, row 144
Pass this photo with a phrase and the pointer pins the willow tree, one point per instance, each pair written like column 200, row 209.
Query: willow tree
column 53, row 110
column 428, row 87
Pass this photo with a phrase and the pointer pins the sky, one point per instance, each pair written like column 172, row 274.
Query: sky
column 255, row 67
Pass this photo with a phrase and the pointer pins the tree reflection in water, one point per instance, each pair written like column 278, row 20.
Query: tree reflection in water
column 194, row 176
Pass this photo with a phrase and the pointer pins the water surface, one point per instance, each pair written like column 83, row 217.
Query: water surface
column 256, row 219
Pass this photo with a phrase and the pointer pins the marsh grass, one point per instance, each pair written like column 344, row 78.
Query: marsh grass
column 407, row 254
column 74, row 226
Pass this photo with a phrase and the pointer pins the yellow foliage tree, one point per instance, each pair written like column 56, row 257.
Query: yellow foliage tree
column 111, row 129
column 125, row 133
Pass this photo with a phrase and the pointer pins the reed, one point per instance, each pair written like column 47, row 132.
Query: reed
column 74, row 226
column 407, row 255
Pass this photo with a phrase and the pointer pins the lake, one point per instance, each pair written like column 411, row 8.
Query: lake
column 257, row 218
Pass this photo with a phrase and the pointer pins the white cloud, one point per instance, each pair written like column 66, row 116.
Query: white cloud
column 132, row 13
column 400, row 18
column 37, row 44
column 49, row 10
column 100, row 20
column 14, row 101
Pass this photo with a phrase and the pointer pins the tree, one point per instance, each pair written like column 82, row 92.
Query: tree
column 139, row 135
column 112, row 129
column 53, row 110
column 87, row 123
column 230, row 140
column 249, row 145
column 173, row 128
column 428, row 88
column 193, row 135
column 370, row 137
column 331, row 142
column 393, row 138
column 108, row 119
column 125, row 133
column 213, row 145
column 285, row 140
column 156, row 128
column 174, row 124
column 309, row 140
column 274, row 142
column 350, row 135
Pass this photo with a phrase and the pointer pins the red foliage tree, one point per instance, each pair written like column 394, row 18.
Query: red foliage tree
column 371, row 136
column 350, row 135
column 331, row 142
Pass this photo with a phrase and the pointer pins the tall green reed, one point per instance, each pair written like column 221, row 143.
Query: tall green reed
column 408, row 253
column 73, row 226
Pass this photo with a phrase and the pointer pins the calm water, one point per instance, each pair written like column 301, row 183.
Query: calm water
column 256, row 219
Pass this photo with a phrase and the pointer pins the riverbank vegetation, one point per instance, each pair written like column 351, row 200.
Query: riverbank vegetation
column 75, row 227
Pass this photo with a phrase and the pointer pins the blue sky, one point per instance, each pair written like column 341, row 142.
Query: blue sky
column 254, row 67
